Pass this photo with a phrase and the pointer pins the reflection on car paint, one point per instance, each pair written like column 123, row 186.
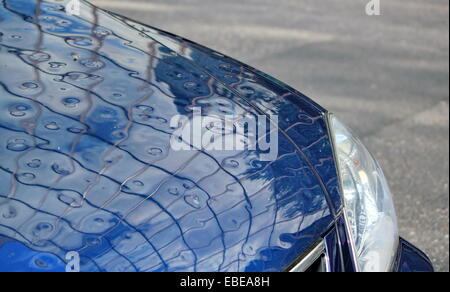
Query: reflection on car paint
column 86, row 164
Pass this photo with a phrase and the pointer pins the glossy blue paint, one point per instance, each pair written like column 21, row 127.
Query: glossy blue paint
column 16, row 257
column 85, row 104
column 411, row 259
column 301, row 119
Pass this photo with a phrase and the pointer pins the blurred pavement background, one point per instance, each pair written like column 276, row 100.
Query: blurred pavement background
column 386, row 76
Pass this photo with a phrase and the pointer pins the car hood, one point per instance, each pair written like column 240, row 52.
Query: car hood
column 87, row 165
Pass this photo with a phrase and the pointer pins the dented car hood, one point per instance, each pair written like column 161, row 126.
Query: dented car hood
column 86, row 164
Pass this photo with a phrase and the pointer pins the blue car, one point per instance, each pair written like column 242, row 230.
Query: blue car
column 126, row 148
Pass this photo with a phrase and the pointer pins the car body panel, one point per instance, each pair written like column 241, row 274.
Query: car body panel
column 86, row 164
column 411, row 259
column 300, row 118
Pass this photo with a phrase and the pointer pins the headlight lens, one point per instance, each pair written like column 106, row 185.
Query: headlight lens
column 368, row 202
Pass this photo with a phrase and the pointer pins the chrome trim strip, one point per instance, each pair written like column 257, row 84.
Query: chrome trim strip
column 327, row 261
column 309, row 259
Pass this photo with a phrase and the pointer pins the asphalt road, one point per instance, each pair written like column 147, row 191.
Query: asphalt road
column 386, row 76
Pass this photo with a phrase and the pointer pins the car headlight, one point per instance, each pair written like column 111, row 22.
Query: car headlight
column 368, row 202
